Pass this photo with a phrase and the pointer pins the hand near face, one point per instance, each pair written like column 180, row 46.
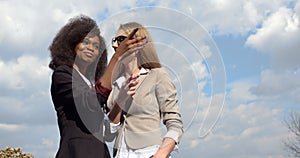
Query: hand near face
column 122, row 45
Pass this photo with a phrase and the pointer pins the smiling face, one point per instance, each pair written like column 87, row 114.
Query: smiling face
column 87, row 50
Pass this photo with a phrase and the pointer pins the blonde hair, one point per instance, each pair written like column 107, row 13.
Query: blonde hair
column 147, row 56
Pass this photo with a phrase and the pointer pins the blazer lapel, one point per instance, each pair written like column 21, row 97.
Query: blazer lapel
column 142, row 78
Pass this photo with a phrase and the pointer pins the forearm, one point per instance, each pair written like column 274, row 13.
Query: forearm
column 122, row 49
column 106, row 77
column 165, row 149
column 115, row 114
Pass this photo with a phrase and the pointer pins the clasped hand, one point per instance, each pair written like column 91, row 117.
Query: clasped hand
column 127, row 90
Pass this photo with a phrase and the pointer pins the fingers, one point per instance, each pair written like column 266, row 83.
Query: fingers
column 127, row 90
column 138, row 41
column 132, row 88
column 132, row 85
column 131, row 43
column 133, row 77
column 131, row 91
column 133, row 33
column 130, row 40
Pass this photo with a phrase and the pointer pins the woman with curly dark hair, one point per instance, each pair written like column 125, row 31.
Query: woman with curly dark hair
column 81, row 83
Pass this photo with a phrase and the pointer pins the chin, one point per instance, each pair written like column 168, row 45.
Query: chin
column 89, row 60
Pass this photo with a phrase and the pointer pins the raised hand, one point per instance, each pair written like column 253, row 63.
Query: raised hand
column 129, row 43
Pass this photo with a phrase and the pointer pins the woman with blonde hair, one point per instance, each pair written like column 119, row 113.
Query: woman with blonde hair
column 154, row 101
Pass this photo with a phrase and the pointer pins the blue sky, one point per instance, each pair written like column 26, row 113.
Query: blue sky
column 235, row 65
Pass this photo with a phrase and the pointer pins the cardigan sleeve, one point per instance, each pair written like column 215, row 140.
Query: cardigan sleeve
column 166, row 96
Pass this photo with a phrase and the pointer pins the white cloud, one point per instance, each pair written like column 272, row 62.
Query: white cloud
column 279, row 36
column 10, row 127
column 228, row 16
column 24, row 73
column 239, row 92
column 247, row 127
column 199, row 70
column 276, row 31
column 200, row 120
column 297, row 7
column 47, row 142
column 30, row 25
column 194, row 143
column 279, row 86
column 248, row 130
column 25, row 94
column 21, row 20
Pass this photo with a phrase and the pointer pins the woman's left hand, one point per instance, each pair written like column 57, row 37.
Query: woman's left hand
column 127, row 90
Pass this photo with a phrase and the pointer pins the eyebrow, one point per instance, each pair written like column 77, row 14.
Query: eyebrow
column 88, row 38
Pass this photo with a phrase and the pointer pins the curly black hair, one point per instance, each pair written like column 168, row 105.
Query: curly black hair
column 63, row 46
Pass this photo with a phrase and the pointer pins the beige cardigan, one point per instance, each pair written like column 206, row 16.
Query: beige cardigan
column 155, row 99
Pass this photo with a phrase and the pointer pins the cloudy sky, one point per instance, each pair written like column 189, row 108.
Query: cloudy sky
column 235, row 65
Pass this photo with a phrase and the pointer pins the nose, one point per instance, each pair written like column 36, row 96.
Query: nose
column 115, row 45
column 90, row 47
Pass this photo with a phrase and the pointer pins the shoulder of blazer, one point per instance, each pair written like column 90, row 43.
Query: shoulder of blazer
column 67, row 70
column 159, row 71
column 64, row 68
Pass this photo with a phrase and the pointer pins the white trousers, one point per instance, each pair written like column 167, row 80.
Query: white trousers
column 126, row 152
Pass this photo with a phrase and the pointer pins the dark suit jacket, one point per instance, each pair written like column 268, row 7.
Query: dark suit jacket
column 79, row 114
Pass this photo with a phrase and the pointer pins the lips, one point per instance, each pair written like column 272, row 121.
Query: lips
column 89, row 54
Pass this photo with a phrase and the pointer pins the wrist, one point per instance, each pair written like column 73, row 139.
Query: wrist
column 160, row 153
column 116, row 55
column 102, row 90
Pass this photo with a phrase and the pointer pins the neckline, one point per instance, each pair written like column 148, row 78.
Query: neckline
column 86, row 80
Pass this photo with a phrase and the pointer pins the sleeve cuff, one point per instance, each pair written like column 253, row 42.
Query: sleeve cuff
column 114, row 127
column 173, row 135
column 102, row 90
